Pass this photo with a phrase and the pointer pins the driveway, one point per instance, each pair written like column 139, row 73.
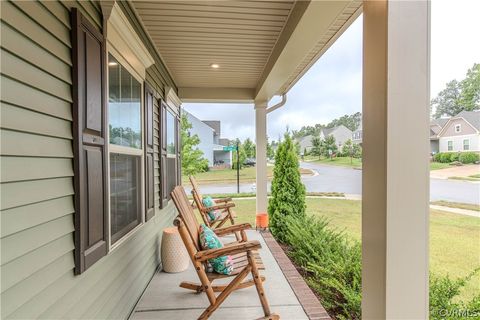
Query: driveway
column 349, row 181
column 460, row 171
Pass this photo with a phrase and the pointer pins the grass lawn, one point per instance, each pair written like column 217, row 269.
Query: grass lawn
column 454, row 239
column 458, row 205
column 338, row 161
column 439, row 165
column 247, row 175
column 474, row 177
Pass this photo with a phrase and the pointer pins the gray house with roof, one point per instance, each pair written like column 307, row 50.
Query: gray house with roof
column 340, row 133
column 460, row 133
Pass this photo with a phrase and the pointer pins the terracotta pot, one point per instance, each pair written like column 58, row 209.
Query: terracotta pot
column 262, row 220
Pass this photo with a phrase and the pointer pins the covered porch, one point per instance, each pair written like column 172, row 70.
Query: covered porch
column 249, row 52
column 288, row 294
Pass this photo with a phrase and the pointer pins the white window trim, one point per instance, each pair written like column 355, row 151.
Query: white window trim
column 468, row 144
column 448, row 145
column 113, row 148
column 124, row 44
column 459, row 126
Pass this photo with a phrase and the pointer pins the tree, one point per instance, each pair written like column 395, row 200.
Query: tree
column 448, row 100
column 270, row 150
column 458, row 96
column 350, row 121
column 357, row 150
column 192, row 157
column 242, row 155
column 470, row 86
column 288, row 192
column 352, row 150
column 316, row 146
column 329, row 144
column 249, row 147
column 298, row 147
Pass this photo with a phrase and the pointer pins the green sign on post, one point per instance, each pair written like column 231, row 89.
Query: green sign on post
column 230, row 148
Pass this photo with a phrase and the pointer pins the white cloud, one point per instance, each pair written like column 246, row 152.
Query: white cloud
column 455, row 43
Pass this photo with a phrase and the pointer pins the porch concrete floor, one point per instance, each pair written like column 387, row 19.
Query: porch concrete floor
column 164, row 299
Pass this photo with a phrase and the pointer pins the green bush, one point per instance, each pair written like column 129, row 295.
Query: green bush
column 443, row 303
column 454, row 156
column 445, row 157
column 331, row 263
column 288, row 191
column 469, row 157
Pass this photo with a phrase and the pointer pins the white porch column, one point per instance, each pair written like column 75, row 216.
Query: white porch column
column 261, row 152
column 395, row 209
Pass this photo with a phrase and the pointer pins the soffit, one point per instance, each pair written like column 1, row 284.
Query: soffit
column 262, row 47
column 192, row 35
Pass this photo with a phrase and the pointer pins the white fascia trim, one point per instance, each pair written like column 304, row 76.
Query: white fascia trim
column 122, row 36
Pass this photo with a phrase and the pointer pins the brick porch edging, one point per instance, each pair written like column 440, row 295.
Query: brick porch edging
column 310, row 304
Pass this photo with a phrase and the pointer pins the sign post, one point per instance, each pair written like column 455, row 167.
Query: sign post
column 233, row 148
column 238, row 170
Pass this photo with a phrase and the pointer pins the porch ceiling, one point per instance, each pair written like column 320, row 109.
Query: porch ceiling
column 251, row 41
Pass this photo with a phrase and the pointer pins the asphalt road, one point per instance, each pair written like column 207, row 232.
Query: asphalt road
column 349, row 181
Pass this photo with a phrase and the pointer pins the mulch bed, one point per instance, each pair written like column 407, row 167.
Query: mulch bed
column 309, row 301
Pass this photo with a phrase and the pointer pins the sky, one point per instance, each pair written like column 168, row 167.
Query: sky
column 333, row 85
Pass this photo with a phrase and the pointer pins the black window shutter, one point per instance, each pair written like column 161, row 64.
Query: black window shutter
column 89, row 145
column 163, row 154
column 149, row 167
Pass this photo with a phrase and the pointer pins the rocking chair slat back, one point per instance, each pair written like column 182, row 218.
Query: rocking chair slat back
column 194, row 183
column 186, row 213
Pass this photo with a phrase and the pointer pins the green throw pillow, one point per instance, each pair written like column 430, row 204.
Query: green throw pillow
column 213, row 214
column 209, row 240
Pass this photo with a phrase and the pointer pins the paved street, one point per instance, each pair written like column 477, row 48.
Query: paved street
column 349, row 181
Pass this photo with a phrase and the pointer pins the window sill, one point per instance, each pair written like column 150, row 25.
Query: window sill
column 126, row 237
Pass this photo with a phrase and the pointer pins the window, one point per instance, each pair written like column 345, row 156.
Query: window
column 458, row 128
column 171, row 136
column 466, row 144
column 125, row 138
column 125, row 194
column 450, row 145
column 124, row 106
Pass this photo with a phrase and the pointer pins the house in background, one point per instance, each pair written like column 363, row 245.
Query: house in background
column 460, row 133
column 340, row 133
column 436, row 126
column 211, row 144
column 358, row 134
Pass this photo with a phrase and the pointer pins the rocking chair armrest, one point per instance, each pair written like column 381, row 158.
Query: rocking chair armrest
column 224, row 200
column 219, row 207
column 229, row 250
column 231, row 229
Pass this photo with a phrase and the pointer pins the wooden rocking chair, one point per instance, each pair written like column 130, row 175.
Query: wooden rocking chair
column 246, row 259
column 223, row 204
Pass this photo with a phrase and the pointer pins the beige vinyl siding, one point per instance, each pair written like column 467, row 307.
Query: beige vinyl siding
column 37, row 211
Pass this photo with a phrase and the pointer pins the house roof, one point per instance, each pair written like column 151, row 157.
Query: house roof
column 472, row 117
column 439, row 122
column 214, row 124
